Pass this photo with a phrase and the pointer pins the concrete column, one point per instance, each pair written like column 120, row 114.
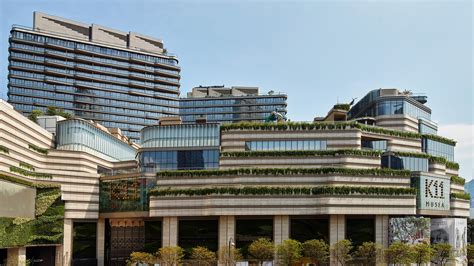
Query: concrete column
column 381, row 230
column 16, row 256
column 58, row 259
column 281, row 228
column 170, row 231
column 337, row 231
column 67, row 242
column 226, row 230
column 100, row 242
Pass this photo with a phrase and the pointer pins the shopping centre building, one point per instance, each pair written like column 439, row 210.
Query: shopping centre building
column 82, row 194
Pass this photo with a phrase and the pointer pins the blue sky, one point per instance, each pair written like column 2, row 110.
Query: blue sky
column 318, row 52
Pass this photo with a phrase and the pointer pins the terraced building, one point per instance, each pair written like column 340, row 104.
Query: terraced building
column 120, row 79
column 327, row 180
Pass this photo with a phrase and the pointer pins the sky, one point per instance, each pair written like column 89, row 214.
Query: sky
column 318, row 52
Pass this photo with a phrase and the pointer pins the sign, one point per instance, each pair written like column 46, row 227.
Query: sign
column 410, row 230
column 452, row 231
column 433, row 193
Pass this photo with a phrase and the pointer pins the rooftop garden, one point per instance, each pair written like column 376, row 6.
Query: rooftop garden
column 367, row 153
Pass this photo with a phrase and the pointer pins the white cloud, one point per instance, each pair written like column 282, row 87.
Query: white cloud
column 464, row 151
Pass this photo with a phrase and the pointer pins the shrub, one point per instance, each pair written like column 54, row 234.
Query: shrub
column 51, row 110
column 458, row 180
column 318, row 190
column 321, row 153
column 34, row 115
column 342, row 106
column 262, row 250
column 24, row 172
column 27, row 166
column 399, row 253
column 289, row 252
column 203, row 256
column 38, row 149
column 369, row 253
column 4, row 149
column 421, row 253
column 462, row 195
column 141, row 257
column 316, row 250
column 170, row 256
column 442, row 253
column 452, row 165
column 470, row 253
column 341, row 251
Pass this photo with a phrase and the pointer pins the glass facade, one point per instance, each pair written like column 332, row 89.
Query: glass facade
column 124, row 195
column 405, row 163
column 80, row 135
column 153, row 161
column 286, row 145
column 436, row 148
column 235, row 109
column 378, row 145
column 114, row 87
column 184, row 135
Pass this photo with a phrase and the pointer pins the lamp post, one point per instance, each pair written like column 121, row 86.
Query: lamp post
column 231, row 244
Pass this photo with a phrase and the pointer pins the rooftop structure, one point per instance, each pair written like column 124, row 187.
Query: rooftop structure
column 234, row 104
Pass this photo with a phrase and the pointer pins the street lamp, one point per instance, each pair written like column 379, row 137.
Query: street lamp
column 231, row 244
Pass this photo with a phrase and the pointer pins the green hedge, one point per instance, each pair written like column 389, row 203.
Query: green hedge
column 433, row 159
column 452, row 165
column 45, row 228
column 458, row 180
column 332, row 125
column 4, row 149
column 368, row 153
column 463, row 196
column 342, row 106
column 286, row 171
column 318, row 190
column 27, row 166
column 38, row 149
column 24, row 172
column 28, row 183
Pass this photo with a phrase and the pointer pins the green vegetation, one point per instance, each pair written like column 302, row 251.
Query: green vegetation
column 399, row 253
column 289, row 252
column 458, row 180
column 317, row 251
column 462, row 195
column 27, row 166
column 38, row 149
column 367, row 153
column 202, row 256
column 51, row 110
column 262, row 250
column 332, row 126
column 341, row 251
column 452, row 165
column 342, row 106
column 286, row 171
column 169, row 256
column 45, row 228
column 369, row 253
column 442, row 253
column 4, row 149
column 24, row 172
column 28, row 183
column 229, row 256
column 34, row 115
column 318, row 190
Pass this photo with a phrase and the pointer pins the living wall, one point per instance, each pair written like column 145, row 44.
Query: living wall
column 45, row 228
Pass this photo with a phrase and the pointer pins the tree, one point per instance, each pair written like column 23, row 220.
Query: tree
column 51, row 110
column 262, row 250
column 203, row 256
column 289, row 252
column 421, row 253
column 229, row 256
column 470, row 253
column 141, row 257
column 399, row 253
column 34, row 115
column 341, row 251
column 170, row 256
column 316, row 250
column 442, row 253
column 368, row 253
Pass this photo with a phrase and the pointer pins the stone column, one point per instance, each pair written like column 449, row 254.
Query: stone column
column 16, row 256
column 337, row 231
column 67, row 242
column 170, row 231
column 58, row 259
column 381, row 230
column 281, row 228
column 100, row 242
column 226, row 232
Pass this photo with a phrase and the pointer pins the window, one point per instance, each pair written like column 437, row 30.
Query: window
column 286, row 145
